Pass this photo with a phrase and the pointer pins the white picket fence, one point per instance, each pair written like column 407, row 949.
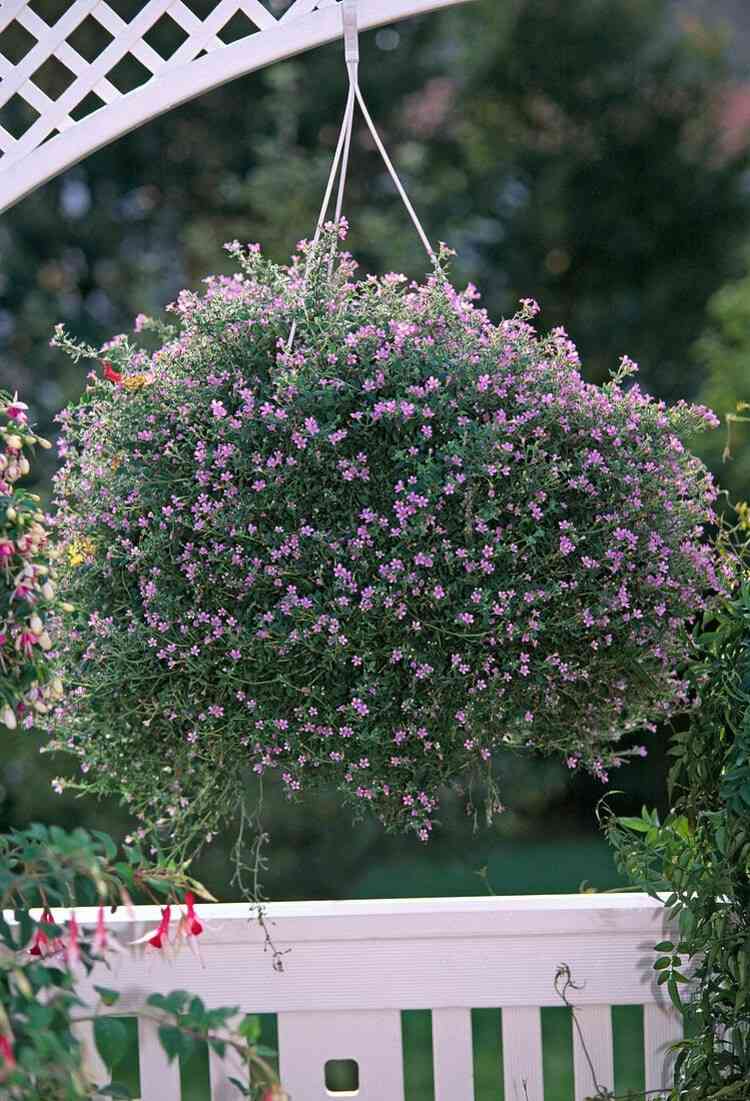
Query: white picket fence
column 354, row 966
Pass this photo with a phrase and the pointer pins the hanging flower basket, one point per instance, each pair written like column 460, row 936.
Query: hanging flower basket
column 370, row 556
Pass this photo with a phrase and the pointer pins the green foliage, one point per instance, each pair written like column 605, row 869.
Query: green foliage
column 723, row 351
column 698, row 856
column 42, row 959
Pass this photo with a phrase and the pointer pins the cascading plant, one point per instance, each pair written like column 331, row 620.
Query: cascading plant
column 28, row 684
column 351, row 531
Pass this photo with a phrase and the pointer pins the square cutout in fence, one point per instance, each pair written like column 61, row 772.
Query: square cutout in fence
column 129, row 74
column 53, row 78
column 89, row 39
column 342, row 1077
column 16, row 116
column 166, row 36
column 49, row 10
column 236, row 28
column 15, row 42
column 88, row 104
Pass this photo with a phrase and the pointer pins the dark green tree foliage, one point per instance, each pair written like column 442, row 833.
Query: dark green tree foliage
column 700, row 856
column 723, row 351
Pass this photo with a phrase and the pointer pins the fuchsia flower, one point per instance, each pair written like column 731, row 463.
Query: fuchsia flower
column 163, row 931
column 195, row 928
column 100, row 943
column 6, row 1052
column 110, row 374
column 17, row 410
column 41, row 941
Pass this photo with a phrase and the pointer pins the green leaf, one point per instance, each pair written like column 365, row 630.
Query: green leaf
column 109, row 846
column 635, row 824
column 664, row 946
column 111, row 1039
column 250, row 1028
column 109, row 997
column 176, row 1043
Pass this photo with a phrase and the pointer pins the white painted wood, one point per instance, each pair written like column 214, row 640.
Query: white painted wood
column 661, row 1027
column 307, row 1040
column 26, row 163
column 160, row 1079
column 522, row 1054
column 595, row 1024
column 221, row 1070
column 452, row 1054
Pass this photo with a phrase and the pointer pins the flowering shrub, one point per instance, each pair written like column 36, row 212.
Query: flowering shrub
column 44, row 956
column 27, row 590
column 367, row 555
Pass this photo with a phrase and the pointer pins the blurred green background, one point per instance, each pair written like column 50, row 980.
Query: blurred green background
column 590, row 153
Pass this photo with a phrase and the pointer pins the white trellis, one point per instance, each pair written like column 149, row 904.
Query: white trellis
column 54, row 140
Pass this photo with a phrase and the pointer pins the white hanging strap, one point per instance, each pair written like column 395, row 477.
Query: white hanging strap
column 343, row 146
column 394, row 175
column 351, row 55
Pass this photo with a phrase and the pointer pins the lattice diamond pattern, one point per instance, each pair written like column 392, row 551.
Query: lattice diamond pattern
column 66, row 73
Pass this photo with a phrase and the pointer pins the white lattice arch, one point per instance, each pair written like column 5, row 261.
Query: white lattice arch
column 55, row 140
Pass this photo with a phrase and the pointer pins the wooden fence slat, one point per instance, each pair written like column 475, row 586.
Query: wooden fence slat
column 595, row 1023
column 221, row 1070
column 160, row 1079
column 307, row 1040
column 662, row 1026
column 452, row 1054
column 522, row 1053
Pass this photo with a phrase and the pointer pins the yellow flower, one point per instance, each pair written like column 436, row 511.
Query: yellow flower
column 79, row 551
column 136, row 382
column 743, row 511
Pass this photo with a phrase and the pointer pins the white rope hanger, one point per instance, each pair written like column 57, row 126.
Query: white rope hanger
column 340, row 164
column 351, row 55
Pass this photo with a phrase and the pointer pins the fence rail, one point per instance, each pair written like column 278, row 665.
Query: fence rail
column 353, row 967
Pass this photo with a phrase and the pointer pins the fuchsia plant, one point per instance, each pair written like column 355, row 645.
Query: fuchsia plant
column 27, row 589
column 370, row 557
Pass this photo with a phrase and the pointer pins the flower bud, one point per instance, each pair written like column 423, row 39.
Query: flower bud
column 41, row 708
column 48, row 590
column 66, row 607
column 36, row 625
column 43, row 443
column 13, row 443
column 23, row 465
column 57, row 688
column 7, row 716
column 45, row 641
column 11, row 515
